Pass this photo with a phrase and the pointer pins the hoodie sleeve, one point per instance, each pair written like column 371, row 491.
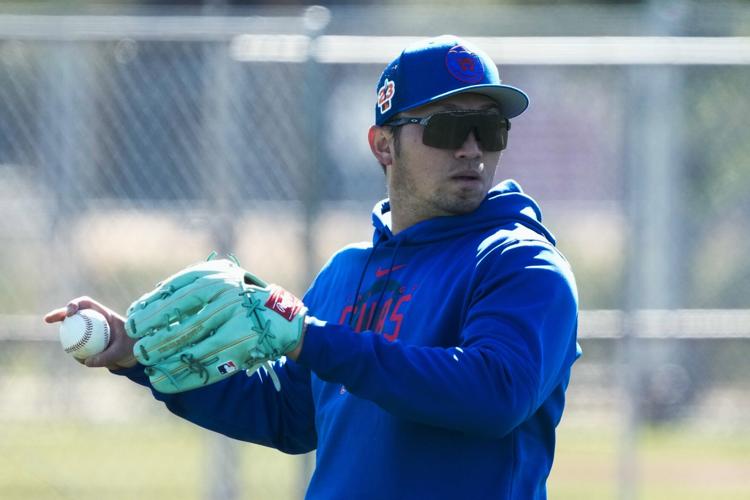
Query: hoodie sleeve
column 249, row 408
column 516, row 345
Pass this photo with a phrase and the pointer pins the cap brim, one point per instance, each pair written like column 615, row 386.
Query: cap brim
column 512, row 101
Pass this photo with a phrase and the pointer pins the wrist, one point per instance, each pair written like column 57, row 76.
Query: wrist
column 309, row 320
column 294, row 353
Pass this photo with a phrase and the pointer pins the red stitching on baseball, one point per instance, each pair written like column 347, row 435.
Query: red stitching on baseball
column 86, row 335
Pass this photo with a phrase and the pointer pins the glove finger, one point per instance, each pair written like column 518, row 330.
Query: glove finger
column 184, row 278
column 164, row 341
column 215, row 358
column 254, row 280
column 187, row 301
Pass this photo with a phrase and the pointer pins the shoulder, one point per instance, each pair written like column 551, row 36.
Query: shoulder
column 349, row 254
column 508, row 236
column 516, row 247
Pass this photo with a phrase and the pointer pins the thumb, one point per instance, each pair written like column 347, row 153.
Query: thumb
column 119, row 354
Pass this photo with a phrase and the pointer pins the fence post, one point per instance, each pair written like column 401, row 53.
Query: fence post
column 653, row 168
column 222, row 459
column 316, row 19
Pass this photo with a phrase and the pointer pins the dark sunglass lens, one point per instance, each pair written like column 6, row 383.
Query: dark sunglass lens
column 449, row 130
column 493, row 134
column 445, row 131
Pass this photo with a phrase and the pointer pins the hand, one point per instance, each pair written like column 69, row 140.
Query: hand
column 119, row 353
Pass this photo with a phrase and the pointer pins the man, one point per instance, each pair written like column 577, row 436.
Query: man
column 439, row 359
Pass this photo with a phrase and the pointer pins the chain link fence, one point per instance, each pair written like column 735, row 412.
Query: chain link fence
column 131, row 146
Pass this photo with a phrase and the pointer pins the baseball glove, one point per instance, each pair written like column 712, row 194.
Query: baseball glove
column 209, row 321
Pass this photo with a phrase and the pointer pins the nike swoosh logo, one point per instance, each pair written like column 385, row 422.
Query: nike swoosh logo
column 379, row 273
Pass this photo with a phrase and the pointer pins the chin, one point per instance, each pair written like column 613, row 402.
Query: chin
column 463, row 206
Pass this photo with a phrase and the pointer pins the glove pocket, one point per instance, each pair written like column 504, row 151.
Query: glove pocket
column 210, row 361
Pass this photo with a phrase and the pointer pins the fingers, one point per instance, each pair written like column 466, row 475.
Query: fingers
column 72, row 307
column 85, row 302
column 55, row 315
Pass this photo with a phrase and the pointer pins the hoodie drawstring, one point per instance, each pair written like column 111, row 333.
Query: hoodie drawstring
column 374, row 313
column 361, row 279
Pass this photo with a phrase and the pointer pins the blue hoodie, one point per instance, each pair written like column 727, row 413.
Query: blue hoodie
column 440, row 372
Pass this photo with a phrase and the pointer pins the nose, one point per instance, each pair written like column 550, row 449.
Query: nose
column 470, row 148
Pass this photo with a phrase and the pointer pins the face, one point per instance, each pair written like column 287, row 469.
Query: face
column 426, row 182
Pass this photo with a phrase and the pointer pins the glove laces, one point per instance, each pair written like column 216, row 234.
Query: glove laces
column 253, row 306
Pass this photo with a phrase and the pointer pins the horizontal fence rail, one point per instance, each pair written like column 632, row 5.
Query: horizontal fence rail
column 597, row 324
column 282, row 39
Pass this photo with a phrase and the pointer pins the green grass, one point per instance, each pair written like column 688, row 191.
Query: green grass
column 167, row 458
column 673, row 463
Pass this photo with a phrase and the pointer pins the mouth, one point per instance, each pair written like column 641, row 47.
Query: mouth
column 466, row 176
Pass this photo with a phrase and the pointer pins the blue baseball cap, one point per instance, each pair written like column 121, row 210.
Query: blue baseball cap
column 437, row 68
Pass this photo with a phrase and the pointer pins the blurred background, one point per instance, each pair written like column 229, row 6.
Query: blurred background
column 136, row 137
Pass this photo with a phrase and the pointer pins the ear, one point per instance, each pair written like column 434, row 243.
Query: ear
column 381, row 144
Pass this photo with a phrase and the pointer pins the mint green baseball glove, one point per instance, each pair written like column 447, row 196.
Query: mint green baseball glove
column 209, row 321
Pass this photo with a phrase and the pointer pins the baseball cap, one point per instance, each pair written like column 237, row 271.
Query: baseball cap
column 440, row 67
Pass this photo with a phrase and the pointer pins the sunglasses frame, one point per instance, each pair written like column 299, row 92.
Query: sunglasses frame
column 425, row 121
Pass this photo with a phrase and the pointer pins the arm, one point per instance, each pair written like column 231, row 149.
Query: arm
column 249, row 408
column 516, row 345
column 241, row 407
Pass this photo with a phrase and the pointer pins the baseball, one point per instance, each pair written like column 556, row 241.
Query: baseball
column 84, row 334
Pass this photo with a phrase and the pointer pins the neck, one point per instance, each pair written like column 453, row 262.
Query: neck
column 397, row 225
column 403, row 217
column 397, row 222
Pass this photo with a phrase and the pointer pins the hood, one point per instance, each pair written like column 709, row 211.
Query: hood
column 504, row 204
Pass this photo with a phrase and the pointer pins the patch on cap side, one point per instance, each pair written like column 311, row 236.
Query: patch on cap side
column 385, row 94
column 463, row 65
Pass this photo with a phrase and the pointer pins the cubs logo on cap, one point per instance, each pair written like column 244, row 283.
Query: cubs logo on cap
column 437, row 68
column 465, row 66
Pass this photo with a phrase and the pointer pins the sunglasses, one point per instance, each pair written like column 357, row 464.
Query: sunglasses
column 449, row 129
